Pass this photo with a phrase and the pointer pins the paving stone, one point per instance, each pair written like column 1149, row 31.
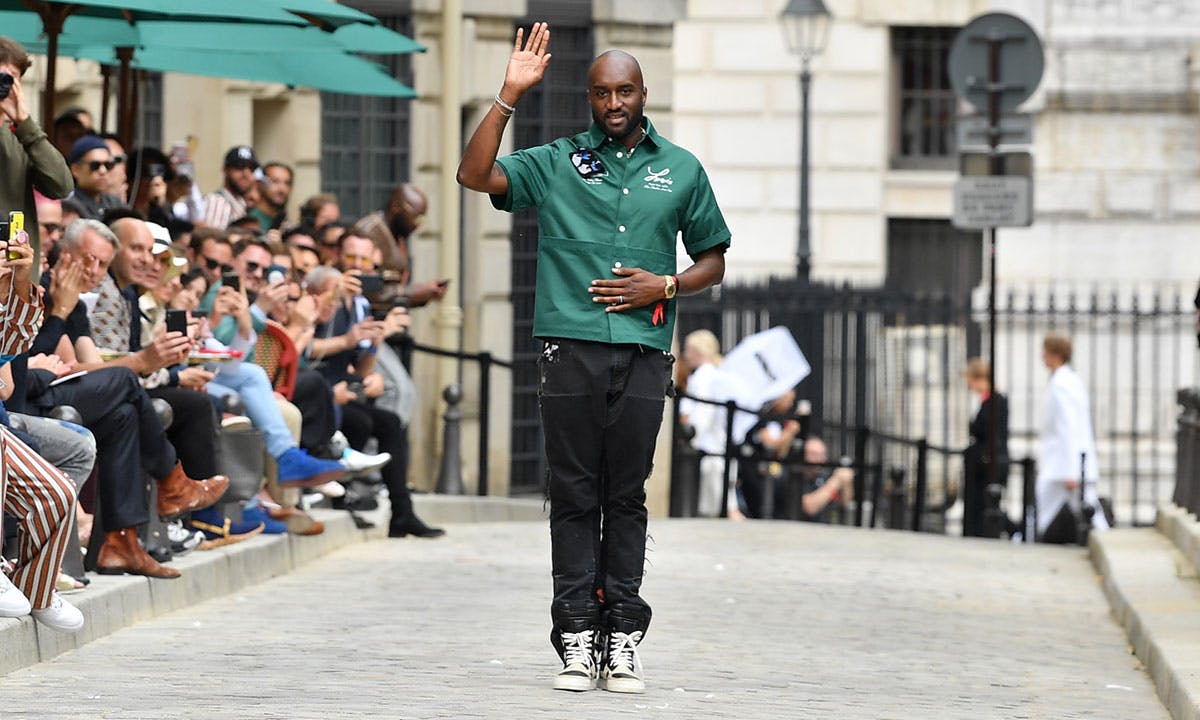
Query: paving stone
column 752, row 620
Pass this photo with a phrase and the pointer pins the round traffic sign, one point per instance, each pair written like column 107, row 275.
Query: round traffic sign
column 996, row 53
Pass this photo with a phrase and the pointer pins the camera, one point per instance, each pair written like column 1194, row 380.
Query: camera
column 6, row 83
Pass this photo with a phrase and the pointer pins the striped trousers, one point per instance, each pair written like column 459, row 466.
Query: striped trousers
column 42, row 499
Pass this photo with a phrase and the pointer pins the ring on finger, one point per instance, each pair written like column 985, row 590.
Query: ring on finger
column 620, row 299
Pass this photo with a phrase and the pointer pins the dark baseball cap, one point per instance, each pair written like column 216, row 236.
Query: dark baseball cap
column 241, row 156
column 85, row 145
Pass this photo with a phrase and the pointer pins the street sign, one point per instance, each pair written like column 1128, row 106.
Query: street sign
column 989, row 202
column 996, row 62
column 974, row 132
column 984, row 162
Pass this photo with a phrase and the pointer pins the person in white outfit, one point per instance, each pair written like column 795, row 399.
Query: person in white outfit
column 702, row 355
column 1067, row 443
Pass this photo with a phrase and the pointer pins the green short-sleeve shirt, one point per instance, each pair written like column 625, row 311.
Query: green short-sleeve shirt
column 628, row 216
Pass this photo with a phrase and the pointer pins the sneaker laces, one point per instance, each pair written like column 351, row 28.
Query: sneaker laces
column 623, row 653
column 577, row 648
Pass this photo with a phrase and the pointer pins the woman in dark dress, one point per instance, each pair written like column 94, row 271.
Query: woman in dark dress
column 976, row 498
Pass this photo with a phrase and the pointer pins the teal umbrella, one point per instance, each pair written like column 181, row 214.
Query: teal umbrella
column 54, row 15
column 329, row 70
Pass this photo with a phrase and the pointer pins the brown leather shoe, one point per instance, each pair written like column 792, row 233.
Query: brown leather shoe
column 178, row 494
column 121, row 553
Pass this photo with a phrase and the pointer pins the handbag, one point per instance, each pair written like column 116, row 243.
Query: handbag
column 240, row 458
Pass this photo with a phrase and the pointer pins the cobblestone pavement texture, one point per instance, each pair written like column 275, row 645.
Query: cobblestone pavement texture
column 752, row 620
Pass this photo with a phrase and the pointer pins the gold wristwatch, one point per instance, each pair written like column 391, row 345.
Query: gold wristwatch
column 672, row 287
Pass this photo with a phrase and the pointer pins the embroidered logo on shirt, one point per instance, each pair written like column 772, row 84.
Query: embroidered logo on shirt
column 658, row 180
column 588, row 164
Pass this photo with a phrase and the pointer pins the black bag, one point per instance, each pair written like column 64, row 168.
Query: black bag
column 240, row 458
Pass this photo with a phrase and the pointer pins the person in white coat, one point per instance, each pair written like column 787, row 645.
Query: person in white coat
column 1067, row 442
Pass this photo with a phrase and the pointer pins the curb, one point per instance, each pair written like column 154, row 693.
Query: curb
column 113, row 602
column 1154, row 594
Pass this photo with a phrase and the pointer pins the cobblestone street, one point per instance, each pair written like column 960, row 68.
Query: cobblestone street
column 752, row 620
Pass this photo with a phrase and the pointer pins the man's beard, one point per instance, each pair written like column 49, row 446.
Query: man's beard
column 634, row 125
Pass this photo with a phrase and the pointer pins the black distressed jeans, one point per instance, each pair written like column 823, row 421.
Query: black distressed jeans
column 601, row 408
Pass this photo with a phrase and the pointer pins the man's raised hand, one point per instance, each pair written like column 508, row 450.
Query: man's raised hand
column 527, row 64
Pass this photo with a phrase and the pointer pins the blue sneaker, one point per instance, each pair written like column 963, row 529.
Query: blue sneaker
column 299, row 469
column 256, row 514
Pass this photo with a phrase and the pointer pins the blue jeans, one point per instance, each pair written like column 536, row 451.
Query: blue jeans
column 250, row 381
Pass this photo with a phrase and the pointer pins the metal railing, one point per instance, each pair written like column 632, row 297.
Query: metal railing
column 895, row 495
column 485, row 360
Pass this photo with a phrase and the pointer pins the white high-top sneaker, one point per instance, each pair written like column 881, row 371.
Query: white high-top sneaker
column 12, row 603
column 622, row 668
column 579, row 662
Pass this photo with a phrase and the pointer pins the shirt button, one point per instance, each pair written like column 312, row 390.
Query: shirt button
column 620, row 155
column 621, row 228
column 625, row 190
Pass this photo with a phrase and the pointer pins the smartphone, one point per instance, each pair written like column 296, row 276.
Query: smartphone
column 276, row 273
column 16, row 223
column 177, row 321
column 371, row 284
column 231, row 280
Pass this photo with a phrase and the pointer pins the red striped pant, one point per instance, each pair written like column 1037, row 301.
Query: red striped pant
column 42, row 499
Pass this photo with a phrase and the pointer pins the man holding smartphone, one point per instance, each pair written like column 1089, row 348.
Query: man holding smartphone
column 28, row 157
column 611, row 201
column 350, row 338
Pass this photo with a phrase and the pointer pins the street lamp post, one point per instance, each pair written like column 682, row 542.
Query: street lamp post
column 806, row 30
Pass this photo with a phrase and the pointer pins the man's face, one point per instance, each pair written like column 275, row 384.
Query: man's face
column 134, row 262
column 330, row 242
column 95, row 254
column 50, row 224
column 305, row 255
column 240, row 177
column 116, row 177
column 329, row 213
column 357, row 253
column 215, row 258
column 252, row 266
column 617, row 96
column 815, row 451
column 92, row 171
column 279, row 189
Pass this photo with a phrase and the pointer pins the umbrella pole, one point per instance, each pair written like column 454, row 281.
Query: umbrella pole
column 105, row 96
column 52, row 23
column 124, row 96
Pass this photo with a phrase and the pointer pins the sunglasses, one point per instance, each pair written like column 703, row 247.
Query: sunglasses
column 95, row 165
column 214, row 264
column 253, row 268
column 51, row 228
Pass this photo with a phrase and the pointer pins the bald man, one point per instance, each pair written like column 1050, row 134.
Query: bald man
column 611, row 201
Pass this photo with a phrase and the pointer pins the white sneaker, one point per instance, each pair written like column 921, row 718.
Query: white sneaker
column 579, row 662
column 61, row 615
column 622, row 671
column 331, row 489
column 12, row 603
column 338, row 442
column 360, row 462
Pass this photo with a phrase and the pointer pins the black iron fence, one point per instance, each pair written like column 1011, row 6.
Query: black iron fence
column 890, row 363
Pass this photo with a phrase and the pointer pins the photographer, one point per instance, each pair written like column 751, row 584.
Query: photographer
column 346, row 344
column 151, row 170
column 27, row 158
